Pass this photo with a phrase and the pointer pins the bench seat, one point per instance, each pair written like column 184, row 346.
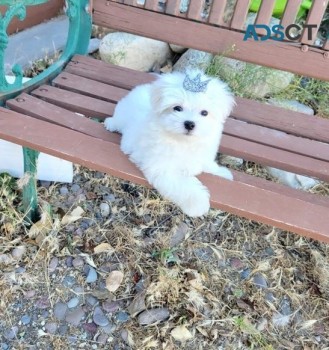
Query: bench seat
column 46, row 120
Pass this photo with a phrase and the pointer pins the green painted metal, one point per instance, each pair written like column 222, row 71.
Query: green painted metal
column 77, row 43
column 78, row 12
column 30, row 197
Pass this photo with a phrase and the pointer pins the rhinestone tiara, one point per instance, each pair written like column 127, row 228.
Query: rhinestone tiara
column 195, row 85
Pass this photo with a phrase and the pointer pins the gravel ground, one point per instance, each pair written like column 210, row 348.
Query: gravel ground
column 114, row 266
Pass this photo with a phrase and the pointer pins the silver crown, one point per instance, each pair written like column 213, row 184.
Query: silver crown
column 195, row 85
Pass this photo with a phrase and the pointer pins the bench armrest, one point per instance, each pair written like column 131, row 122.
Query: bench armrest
column 80, row 23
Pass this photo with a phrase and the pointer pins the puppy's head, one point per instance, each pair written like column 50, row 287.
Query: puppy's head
column 190, row 104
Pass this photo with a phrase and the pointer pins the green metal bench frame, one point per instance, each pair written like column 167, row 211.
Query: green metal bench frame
column 80, row 24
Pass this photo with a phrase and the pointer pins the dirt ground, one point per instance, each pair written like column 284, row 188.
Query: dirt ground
column 114, row 266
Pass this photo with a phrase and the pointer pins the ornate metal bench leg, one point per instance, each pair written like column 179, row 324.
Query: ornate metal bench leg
column 30, row 200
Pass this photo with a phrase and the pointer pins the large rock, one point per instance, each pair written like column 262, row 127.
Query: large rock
column 291, row 179
column 132, row 51
column 193, row 59
column 285, row 177
column 292, row 105
column 252, row 80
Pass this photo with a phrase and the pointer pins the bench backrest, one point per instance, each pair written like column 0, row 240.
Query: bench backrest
column 209, row 28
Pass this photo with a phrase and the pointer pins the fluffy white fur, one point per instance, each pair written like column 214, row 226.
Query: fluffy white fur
column 157, row 141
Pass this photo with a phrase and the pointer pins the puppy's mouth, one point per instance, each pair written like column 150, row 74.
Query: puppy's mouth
column 188, row 132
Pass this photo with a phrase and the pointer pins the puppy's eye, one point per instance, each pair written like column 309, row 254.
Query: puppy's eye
column 204, row 113
column 178, row 108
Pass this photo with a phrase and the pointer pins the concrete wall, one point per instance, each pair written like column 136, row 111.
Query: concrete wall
column 35, row 15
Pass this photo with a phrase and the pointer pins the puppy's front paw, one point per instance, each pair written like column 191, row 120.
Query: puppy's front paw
column 225, row 173
column 198, row 205
column 109, row 124
column 215, row 169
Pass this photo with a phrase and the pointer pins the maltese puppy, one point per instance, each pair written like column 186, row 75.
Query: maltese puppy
column 171, row 130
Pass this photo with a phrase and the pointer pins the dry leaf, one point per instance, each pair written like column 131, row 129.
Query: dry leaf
column 41, row 228
column 104, row 248
column 307, row 324
column 202, row 331
column 114, row 280
column 75, row 215
column 181, row 334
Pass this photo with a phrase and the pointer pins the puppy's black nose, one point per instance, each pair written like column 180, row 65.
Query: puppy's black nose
column 189, row 125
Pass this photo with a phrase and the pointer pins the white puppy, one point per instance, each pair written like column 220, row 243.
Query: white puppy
column 171, row 130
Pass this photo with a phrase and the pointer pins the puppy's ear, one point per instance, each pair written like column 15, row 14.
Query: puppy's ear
column 222, row 98
column 156, row 97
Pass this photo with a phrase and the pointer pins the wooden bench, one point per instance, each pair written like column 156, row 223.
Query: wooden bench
column 41, row 115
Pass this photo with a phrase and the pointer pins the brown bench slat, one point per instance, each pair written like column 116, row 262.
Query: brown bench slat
column 233, row 127
column 72, row 101
column 89, row 87
column 274, row 157
column 240, row 14
column 279, row 209
column 173, row 7
column 312, row 127
column 107, row 73
column 315, row 15
column 152, row 5
column 290, row 12
column 42, row 110
column 277, row 139
column 247, row 110
column 265, row 11
column 216, row 15
column 195, row 9
column 235, row 146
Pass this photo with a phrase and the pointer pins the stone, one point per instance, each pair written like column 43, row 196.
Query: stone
column 18, row 252
column 60, row 310
column 121, row 317
column 111, row 306
column 133, row 51
column 291, row 105
column 53, row 264
column 179, row 235
column 193, row 59
column 29, row 294
column 26, row 319
column 99, row 317
column 231, row 161
column 63, row 191
column 74, row 317
column 91, row 275
column 151, row 316
column 109, row 329
column 105, row 210
column 68, row 281
column 51, row 327
column 11, row 333
column 93, row 45
column 102, row 339
column 291, row 179
column 177, row 48
column 138, row 304
column 90, row 327
column 78, row 262
column 253, row 81
column 75, row 188
column 42, row 303
column 260, row 281
column 73, row 302
column 236, row 264
column 62, row 329
column 92, row 301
